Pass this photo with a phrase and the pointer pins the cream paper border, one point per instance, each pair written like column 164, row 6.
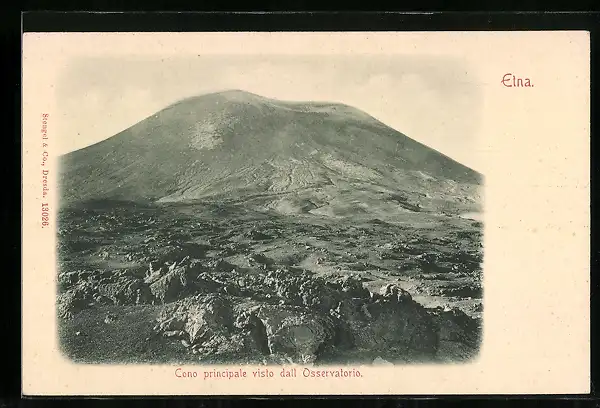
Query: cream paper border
column 536, row 269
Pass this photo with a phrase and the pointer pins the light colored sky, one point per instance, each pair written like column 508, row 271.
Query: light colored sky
column 435, row 100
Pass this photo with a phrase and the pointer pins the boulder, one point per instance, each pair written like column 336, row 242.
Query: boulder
column 72, row 301
column 295, row 332
column 459, row 334
column 392, row 290
column 453, row 324
column 169, row 287
column 306, row 289
column 212, row 327
column 177, row 282
column 124, row 290
column 199, row 318
column 68, row 279
column 68, row 305
column 390, row 323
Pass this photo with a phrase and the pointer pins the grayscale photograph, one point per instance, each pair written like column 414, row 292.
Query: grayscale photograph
column 270, row 210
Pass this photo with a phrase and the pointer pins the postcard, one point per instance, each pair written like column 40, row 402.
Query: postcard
column 303, row 213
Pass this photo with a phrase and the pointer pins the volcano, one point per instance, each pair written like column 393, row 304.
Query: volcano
column 290, row 156
column 233, row 228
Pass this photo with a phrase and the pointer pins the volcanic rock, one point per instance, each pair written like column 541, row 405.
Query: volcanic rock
column 176, row 282
column 296, row 332
column 200, row 318
column 390, row 325
column 124, row 290
column 71, row 302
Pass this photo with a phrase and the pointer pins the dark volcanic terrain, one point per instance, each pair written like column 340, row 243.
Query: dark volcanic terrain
column 235, row 228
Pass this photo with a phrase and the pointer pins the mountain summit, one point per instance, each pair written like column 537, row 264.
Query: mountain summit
column 235, row 145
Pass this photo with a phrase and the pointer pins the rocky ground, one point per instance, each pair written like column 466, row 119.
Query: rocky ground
column 214, row 283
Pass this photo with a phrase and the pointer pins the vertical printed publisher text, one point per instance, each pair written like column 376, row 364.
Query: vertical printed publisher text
column 45, row 208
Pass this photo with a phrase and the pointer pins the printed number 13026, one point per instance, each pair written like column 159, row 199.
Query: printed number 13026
column 45, row 214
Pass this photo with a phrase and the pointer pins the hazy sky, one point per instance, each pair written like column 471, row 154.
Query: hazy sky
column 436, row 101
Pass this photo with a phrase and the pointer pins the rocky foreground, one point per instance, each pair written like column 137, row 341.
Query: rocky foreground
column 257, row 289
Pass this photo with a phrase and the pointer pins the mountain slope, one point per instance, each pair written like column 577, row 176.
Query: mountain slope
column 236, row 144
